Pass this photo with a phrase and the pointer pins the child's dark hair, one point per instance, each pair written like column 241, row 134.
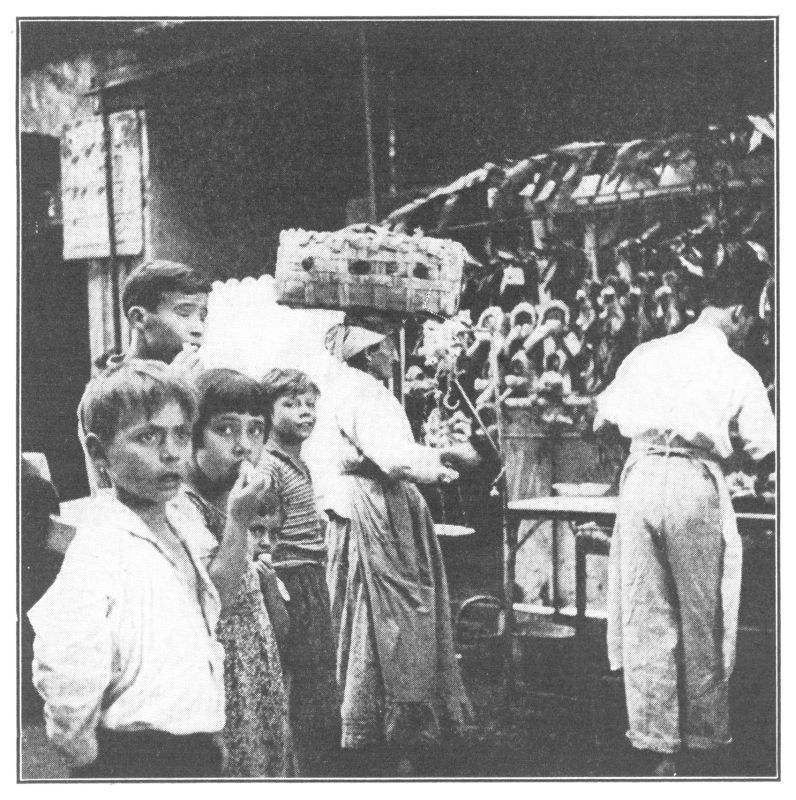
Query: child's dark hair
column 279, row 382
column 146, row 284
column 223, row 391
column 134, row 384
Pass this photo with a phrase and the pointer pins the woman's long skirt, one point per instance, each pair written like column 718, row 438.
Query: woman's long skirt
column 396, row 664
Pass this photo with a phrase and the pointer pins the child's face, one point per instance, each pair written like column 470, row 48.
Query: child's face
column 178, row 320
column 230, row 439
column 294, row 416
column 266, row 528
column 148, row 458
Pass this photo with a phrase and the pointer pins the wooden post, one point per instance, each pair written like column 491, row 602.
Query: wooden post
column 510, row 539
column 391, row 144
column 402, row 357
column 510, row 530
column 553, row 443
column 372, row 209
column 113, row 266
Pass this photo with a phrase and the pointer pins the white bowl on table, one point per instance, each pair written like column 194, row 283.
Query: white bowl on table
column 581, row 489
column 452, row 531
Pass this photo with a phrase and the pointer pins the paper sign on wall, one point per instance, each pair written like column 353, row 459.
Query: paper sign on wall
column 83, row 186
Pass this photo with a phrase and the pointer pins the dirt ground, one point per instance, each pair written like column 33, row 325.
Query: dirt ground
column 546, row 731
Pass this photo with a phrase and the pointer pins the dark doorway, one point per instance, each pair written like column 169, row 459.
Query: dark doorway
column 54, row 342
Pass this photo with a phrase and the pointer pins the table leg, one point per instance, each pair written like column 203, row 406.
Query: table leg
column 580, row 585
column 509, row 572
column 554, row 593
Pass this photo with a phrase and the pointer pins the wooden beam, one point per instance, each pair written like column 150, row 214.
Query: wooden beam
column 113, row 265
column 368, row 127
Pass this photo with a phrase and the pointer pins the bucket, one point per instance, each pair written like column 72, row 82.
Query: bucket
column 478, row 631
column 544, row 650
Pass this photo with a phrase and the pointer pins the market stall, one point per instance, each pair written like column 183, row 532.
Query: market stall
column 576, row 256
column 516, row 292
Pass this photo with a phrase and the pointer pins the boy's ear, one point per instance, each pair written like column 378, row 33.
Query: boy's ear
column 96, row 450
column 136, row 316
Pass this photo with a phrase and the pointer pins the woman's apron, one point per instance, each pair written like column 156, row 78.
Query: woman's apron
column 732, row 557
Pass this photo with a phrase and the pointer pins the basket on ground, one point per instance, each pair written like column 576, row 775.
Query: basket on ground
column 367, row 267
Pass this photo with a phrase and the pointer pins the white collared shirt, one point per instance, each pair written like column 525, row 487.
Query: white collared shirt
column 122, row 640
column 691, row 384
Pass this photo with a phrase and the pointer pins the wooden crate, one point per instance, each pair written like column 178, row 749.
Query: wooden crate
column 367, row 267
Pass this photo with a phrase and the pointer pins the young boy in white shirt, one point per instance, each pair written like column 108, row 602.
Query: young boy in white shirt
column 125, row 654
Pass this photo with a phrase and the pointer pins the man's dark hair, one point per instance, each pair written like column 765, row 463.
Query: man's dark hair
column 739, row 279
column 146, row 284
column 223, row 391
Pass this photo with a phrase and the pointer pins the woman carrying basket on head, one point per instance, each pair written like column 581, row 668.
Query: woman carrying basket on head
column 396, row 664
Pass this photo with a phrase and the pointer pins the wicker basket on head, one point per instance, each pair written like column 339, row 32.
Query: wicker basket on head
column 367, row 267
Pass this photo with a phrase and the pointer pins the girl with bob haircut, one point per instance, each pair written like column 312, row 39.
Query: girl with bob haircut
column 228, row 438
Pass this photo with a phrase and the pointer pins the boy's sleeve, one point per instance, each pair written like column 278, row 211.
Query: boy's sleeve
column 72, row 665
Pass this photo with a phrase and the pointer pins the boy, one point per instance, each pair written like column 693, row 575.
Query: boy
column 675, row 566
column 125, row 655
column 298, row 553
column 165, row 304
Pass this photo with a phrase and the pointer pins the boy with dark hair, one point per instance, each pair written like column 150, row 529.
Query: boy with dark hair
column 298, row 553
column 165, row 304
column 125, row 654
column 675, row 566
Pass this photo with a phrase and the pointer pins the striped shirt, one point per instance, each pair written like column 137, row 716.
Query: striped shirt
column 300, row 540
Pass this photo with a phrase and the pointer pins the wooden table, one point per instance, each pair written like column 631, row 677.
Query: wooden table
column 572, row 511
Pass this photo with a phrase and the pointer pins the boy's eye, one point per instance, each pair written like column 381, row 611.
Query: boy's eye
column 257, row 429
column 182, row 434
column 226, row 430
column 147, row 437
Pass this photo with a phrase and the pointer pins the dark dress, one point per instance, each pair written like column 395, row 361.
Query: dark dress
column 257, row 736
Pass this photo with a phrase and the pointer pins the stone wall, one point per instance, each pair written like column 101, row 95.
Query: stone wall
column 52, row 96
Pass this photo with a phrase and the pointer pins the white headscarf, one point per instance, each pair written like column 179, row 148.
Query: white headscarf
column 345, row 341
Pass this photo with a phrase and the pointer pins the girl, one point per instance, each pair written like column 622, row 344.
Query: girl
column 227, row 438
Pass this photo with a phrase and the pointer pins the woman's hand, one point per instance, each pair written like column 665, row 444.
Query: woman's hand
column 447, row 475
column 461, row 456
